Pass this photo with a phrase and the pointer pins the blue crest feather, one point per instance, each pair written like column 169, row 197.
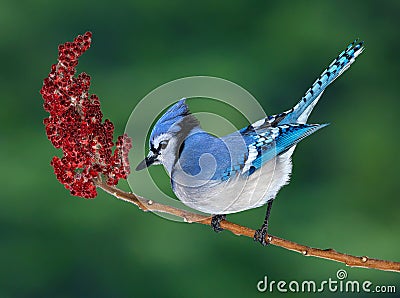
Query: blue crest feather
column 176, row 119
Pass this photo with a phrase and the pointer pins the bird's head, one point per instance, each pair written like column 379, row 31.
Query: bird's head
column 168, row 135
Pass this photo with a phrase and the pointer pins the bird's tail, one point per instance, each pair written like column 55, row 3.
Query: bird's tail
column 300, row 112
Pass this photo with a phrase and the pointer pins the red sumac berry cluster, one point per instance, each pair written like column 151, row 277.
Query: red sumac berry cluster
column 76, row 126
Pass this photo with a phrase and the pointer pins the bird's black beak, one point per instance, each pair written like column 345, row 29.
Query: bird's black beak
column 148, row 161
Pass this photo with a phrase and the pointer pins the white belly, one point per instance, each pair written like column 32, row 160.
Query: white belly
column 238, row 193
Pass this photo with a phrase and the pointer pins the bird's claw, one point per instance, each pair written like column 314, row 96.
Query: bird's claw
column 215, row 222
column 260, row 236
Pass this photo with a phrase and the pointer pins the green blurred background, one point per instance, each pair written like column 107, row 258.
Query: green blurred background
column 344, row 190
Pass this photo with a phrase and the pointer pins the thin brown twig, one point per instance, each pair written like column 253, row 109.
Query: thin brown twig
column 190, row 217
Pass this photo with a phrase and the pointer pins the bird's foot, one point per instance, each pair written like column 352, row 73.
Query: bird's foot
column 215, row 222
column 261, row 234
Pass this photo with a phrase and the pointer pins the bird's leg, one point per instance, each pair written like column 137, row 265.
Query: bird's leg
column 260, row 234
column 215, row 222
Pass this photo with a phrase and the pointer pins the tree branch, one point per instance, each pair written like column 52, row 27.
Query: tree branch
column 190, row 217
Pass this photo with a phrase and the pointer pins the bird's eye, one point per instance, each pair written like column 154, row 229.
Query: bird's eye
column 163, row 144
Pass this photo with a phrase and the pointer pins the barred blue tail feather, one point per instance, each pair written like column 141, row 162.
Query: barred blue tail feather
column 300, row 112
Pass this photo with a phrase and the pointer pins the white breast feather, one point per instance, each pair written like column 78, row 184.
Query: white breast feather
column 238, row 193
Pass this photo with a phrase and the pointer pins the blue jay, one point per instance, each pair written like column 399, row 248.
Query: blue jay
column 242, row 170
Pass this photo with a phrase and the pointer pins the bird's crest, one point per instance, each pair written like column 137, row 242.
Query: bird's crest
column 177, row 119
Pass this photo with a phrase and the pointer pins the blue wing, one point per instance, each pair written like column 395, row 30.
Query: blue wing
column 265, row 145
